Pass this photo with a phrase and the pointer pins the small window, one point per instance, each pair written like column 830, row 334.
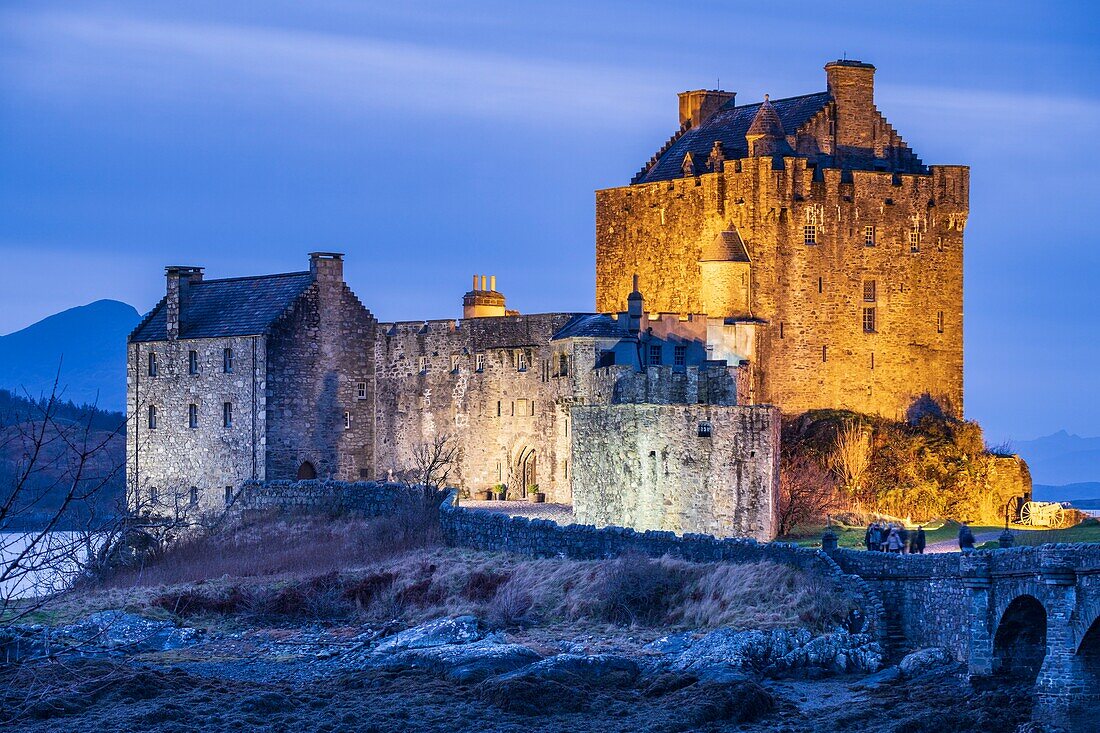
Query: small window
column 422, row 364
column 809, row 234
column 939, row 322
column 704, row 429
column 914, row 239
column 521, row 360
column 192, row 416
column 194, row 499
column 781, row 329
column 152, row 417
column 152, row 363
column 563, row 365
column 824, row 353
column 868, row 320
column 227, row 414
column 565, row 471
column 872, row 360
column 227, row 361
column 347, row 421
column 154, row 495
column 499, row 408
column 654, row 354
column 361, row 391
column 192, row 362
column 679, row 355
column 228, row 495
column 820, row 285
column 454, row 363
column 869, row 291
column 479, row 362
column 868, row 236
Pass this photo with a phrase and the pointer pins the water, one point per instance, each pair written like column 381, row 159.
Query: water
column 51, row 565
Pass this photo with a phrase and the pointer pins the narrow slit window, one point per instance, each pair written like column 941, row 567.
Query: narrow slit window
column 939, row 322
column 192, row 416
column 869, row 291
column 914, row 239
column 454, row 363
column 152, row 417
column 194, row 498
column 563, row 365
column 824, row 353
column 347, row 420
column 227, row 414
column 152, row 363
column 192, row 362
column 479, row 362
column 227, row 360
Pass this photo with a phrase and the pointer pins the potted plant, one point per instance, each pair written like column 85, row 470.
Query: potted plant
column 536, row 496
column 500, row 491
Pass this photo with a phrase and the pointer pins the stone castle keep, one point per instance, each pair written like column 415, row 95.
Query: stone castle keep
column 785, row 255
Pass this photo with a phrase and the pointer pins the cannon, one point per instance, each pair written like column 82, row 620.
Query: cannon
column 1042, row 514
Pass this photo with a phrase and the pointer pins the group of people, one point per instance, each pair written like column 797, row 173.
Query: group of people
column 894, row 538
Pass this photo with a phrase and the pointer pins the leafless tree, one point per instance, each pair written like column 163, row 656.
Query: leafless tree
column 60, row 470
column 851, row 456
column 807, row 491
column 433, row 462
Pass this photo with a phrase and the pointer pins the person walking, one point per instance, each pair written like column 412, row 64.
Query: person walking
column 876, row 536
column 966, row 538
column 919, row 541
column 893, row 541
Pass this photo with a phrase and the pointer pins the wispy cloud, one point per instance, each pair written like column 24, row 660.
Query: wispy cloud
column 78, row 56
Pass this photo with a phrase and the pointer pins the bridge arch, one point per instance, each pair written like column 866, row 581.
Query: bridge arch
column 1020, row 643
column 1088, row 652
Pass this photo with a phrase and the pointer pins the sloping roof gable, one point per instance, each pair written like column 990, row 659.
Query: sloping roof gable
column 240, row 306
column 726, row 247
column 592, row 325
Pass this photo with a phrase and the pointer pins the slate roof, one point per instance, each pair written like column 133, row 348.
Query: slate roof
column 730, row 125
column 766, row 122
column 726, row 247
column 592, row 325
column 238, row 306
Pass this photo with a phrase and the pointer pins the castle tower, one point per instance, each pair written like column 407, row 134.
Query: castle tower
column 765, row 135
column 483, row 300
column 725, row 277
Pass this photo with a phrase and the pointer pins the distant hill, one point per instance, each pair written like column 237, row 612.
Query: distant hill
column 90, row 344
column 1061, row 458
column 1077, row 493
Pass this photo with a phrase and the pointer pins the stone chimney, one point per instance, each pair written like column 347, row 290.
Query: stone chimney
column 484, row 300
column 179, row 279
column 635, row 305
column 327, row 267
column 852, row 87
column 700, row 105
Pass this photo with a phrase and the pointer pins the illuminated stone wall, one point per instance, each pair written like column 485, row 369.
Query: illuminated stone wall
column 429, row 384
column 650, row 466
column 811, row 296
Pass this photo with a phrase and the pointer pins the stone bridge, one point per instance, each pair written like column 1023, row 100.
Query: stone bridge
column 1029, row 613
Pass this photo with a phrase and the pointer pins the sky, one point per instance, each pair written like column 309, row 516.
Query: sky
column 433, row 140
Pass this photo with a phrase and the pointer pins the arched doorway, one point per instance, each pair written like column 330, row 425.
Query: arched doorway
column 306, row 472
column 1089, row 653
column 526, row 470
column 1020, row 644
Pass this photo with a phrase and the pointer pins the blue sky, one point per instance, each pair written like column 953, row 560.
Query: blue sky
column 432, row 140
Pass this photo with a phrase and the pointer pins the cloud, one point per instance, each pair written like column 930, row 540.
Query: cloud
column 85, row 56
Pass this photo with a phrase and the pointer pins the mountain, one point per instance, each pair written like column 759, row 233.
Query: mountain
column 89, row 342
column 1061, row 458
column 1087, row 491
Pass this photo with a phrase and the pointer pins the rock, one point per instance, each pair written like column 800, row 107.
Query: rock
column 559, row 684
column 671, row 644
column 779, row 652
column 922, row 660
column 460, row 630
column 119, row 631
column 888, row 676
column 460, row 663
column 738, row 701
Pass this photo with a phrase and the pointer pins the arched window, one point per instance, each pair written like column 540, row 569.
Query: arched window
column 306, row 472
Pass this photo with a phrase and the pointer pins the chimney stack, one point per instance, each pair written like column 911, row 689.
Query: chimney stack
column 700, row 105
column 327, row 267
column 851, row 84
column 484, row 300
column 179, row 280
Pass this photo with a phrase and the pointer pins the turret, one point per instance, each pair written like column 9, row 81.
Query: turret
column 725, row 275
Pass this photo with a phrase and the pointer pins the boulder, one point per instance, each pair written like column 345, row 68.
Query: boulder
column 438, row 632
column 596, row 670
column 779, row 652
column 923, row 660
column 460, row 663
column 119, row 631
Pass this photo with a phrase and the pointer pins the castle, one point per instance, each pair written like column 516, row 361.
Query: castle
column 784, row 255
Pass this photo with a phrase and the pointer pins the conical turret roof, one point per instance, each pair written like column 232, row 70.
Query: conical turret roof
column 766, row 123
column 726, row 247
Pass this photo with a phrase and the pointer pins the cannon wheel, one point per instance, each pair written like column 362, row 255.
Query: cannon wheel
column 1027, row 513
column 1058, row 517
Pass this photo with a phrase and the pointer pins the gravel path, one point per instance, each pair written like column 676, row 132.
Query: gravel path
column 560, row 513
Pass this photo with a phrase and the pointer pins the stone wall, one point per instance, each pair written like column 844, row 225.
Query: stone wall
column 163, row 464
column 367, row 498
column 318, row 355
column 510, row 412
column 810, row 297
column 649, row 466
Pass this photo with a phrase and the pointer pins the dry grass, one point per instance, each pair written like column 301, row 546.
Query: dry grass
column 366, row 571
